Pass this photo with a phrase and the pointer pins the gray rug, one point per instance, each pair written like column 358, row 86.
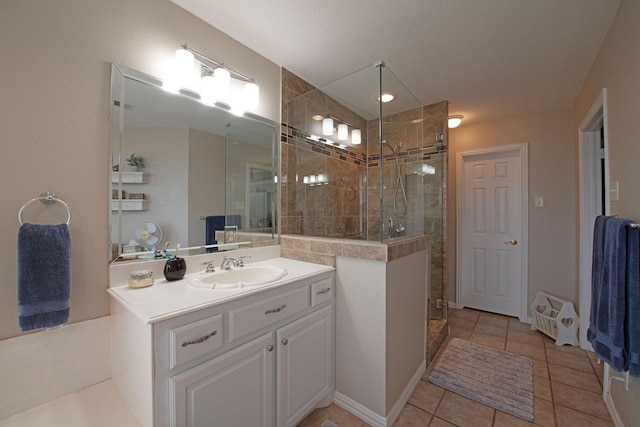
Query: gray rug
column 495, row 378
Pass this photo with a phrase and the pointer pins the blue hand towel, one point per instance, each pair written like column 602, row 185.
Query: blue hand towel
column 608, row 291
column 632, row 325
column 213, row 223
column 44, row 275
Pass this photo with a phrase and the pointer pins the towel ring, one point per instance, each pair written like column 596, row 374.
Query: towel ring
column 46, row 198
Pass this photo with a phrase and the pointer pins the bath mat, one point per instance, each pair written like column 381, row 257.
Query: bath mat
column 328, row 423
column 495, row 378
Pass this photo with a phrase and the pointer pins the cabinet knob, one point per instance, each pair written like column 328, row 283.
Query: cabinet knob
column 285, row 341
column 269, row 347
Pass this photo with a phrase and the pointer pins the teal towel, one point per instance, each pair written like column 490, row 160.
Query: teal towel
column 44, row 275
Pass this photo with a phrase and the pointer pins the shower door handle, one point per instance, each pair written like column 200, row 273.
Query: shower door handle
column 511, row 242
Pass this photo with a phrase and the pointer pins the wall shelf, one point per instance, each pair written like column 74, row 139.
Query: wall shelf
column 128, row 177
column 130, row 205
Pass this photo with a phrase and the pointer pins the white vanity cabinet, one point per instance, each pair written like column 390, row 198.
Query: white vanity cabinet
column 234, row 389
column 262, row 360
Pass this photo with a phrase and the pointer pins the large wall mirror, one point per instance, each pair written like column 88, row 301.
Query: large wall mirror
column 183, row 172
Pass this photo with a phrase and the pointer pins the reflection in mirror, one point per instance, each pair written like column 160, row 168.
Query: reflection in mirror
column 199, row 169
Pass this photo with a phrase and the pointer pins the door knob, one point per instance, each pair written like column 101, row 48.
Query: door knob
column 511, row 242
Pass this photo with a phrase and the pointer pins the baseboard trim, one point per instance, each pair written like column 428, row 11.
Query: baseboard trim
column 359, row 410
column 374, row 419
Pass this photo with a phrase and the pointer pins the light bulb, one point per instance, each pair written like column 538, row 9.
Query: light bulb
column 327, row 126
column 208, row 90
column 356, row 137
column 251, row 96
column 222, row 77
column 184, row 67
column 343, row 132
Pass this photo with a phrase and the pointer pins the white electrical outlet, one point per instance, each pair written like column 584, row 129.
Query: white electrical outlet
column 539, row 201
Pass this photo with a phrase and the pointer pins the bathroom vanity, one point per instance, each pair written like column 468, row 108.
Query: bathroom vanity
column 254, row 356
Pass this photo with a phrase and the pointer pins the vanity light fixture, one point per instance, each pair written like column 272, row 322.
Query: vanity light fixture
column 342, row 131
column 454, row 121
column 215, row 83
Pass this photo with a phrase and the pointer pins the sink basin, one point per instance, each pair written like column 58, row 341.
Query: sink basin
column 239, row 277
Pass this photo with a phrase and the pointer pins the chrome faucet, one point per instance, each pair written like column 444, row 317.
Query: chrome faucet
column 210, row 268
column 227, row 263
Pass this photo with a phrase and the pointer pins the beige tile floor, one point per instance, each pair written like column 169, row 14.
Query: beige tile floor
column 567, row 383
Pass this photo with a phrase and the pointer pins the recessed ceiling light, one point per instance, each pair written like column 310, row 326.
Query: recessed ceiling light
column 386, row 97
column 318, row 117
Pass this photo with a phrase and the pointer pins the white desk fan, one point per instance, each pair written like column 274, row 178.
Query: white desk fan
column 147, row 234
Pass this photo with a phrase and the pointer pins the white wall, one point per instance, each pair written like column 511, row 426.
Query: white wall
column 166, row 156
column 406, row 313
column 617, row 68
column 552, row 170
column 45, row 365
column 206, row 181
column 54, row 116
column 380, row 333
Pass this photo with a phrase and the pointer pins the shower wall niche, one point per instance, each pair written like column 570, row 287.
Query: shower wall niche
column 390, row 185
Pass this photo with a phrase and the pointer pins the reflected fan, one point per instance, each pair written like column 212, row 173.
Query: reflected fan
column 147, row 234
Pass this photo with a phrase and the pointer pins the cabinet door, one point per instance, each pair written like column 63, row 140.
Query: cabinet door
column 232, row 390
column 304, row 366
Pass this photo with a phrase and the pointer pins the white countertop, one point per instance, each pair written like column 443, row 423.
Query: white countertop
column 166, row 299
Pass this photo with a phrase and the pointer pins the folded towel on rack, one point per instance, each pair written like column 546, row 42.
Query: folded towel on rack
column 632, row 321
column 213, row 223
column 44, row 275
column 608, row 290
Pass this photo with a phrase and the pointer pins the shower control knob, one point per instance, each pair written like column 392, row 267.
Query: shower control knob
column 511, row 242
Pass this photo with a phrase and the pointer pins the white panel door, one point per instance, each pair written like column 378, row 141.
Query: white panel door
column 491, row 263
column 304, row 366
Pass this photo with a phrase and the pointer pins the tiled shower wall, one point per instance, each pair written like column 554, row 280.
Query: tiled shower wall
column 333, row 207
column 346, row 204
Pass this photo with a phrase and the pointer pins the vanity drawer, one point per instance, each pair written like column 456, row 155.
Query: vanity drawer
column 321, row 291
column 194, row 340
column 261, row 314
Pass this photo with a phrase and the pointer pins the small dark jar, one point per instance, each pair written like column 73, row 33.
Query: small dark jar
column 175, row 269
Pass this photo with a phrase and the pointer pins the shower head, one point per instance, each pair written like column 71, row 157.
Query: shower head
column 395, row 149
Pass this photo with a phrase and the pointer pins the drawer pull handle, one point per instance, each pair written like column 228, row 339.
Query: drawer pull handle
column 269, row 347
column 285, row 341
column 276, row 310
column 324, row 291
column 199, row 340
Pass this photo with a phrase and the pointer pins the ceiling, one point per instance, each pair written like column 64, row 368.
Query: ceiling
column 489, row 58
